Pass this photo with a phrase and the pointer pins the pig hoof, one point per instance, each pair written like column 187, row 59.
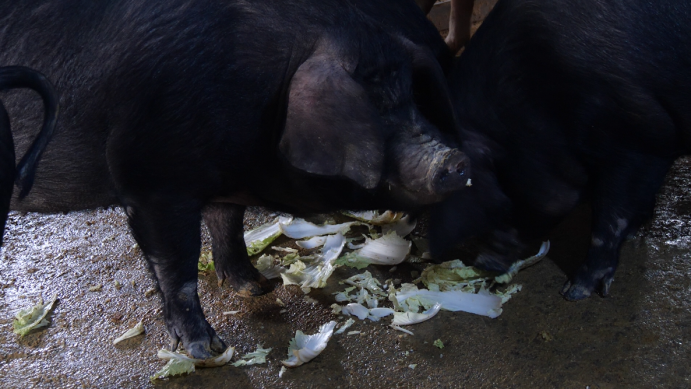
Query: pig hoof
column 604, row 286
column 198, row 350
column 587, row 280
column 245, row 283
column 575, row 292
column 202, row 349
column 250, row 288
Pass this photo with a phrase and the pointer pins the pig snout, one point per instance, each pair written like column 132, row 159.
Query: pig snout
column 449, row 172
column 429, row 171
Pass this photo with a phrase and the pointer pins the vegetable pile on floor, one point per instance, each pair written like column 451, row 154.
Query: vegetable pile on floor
column 450, row 286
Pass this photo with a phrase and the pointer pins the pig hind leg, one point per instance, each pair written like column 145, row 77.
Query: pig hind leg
column 229, row 250
column 623, row 198
column 169, row 234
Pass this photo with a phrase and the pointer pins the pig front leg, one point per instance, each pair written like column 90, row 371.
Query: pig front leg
column 623, row 199
column 225, row 222
column 169, row 234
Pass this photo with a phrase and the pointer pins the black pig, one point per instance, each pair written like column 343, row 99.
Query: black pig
column 561, row 102
column 181, row 108
column 22, row 173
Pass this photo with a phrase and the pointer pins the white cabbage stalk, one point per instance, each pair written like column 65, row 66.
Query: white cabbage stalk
column 181, row 364
column 381, row 312
column 363, row 313
column 374, row 217
column 284, row 249
column 303, row 348
column 522, row 264
column 319, row 270
column 482, row 303
column 268, row 267
column 131, row 333
column 408, row 318
column 312, row 243
column 402, row 227
column 401, row 329
column 356, row 309
column 345, row 326
column 390, row 249
column 256, row 357
column 299, row 228
column 34, row 317
column 257, row 239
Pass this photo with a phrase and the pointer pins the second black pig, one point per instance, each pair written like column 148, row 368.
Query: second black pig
column 561, row 102
column 178, row 108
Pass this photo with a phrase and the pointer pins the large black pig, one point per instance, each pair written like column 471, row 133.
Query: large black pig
column 179, row 108
column 566, row 101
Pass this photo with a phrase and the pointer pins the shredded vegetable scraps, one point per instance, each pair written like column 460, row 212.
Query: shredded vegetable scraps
column 34, row 317
column 182, row 364
column 256, row 357
column 259, row 238
column 303, row 348
column 131, row 333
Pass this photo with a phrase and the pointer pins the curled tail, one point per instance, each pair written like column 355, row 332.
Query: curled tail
column 23, row 174
column 12, row 77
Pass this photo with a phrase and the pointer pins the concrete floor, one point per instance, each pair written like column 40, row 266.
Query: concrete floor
column 637, row 338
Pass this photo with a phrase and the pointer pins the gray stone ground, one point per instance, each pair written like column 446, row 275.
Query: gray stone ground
column 637, row 338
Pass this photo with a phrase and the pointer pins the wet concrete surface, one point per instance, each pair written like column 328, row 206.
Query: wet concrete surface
column 639, row 337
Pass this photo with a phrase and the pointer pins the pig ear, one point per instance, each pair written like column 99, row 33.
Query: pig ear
column 430, row 89
column 331, row 128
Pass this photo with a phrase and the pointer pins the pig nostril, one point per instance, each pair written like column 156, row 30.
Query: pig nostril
column 460, row 169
